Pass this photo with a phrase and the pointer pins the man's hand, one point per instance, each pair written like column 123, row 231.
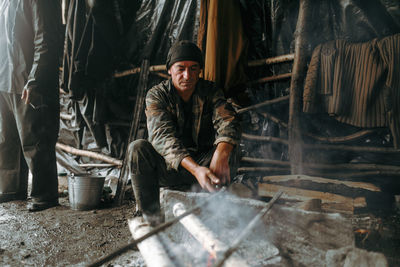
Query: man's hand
column 220, row 162
column 26, row 96
column 204, row 175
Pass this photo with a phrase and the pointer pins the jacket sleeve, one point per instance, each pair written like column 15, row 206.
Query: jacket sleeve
column 46, row 23
column 162, row 130
column 226, row 123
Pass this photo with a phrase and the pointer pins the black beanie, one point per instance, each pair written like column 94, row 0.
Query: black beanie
column 182, row 51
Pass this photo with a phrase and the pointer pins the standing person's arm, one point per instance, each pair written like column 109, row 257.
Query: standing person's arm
column 46, row 21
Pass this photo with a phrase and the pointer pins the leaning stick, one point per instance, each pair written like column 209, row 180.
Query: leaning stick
column 247, row 230
column 154, row 231
column 263, row 104
column 89, row 154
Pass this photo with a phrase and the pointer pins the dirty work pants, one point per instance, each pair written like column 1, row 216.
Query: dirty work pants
column 148, row 172
column 27, row 140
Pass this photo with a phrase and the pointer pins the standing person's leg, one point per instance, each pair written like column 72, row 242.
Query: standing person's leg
column 38, row 129
column 13, row 168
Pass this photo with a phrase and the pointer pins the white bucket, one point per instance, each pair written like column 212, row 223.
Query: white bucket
column 85, row 191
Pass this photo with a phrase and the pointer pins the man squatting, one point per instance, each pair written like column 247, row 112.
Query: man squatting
column 193, row 133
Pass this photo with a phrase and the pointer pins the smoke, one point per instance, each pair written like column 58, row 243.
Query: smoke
column 226, row 217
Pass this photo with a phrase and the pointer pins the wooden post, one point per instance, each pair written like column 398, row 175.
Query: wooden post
column 133, row 134
column 296, row 86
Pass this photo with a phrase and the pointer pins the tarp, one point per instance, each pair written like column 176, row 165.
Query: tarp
column 125, row 32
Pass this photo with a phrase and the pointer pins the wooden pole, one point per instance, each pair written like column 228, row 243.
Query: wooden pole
column 89, row 154
column 264, row 103
column 133, row 132
column 271, row 60
column 253, row 63
column 270, row 79
column 296, row 86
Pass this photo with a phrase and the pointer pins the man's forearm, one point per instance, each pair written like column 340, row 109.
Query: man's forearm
column 190, row 165
column 223, row 149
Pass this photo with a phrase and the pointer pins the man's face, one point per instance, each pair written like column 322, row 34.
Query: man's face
column 185, row 75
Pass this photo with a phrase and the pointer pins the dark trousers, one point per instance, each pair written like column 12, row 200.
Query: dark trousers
column 149, row 171
column 27, row 140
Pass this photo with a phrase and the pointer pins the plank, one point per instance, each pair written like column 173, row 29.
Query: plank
column 287, row 178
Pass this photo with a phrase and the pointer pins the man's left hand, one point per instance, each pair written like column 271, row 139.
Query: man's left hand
column 220, row 162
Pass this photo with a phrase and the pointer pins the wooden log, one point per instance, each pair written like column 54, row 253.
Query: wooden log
column 154, row 68
column 266, row 161
column 264, row 103
column 264, row 138
column 97, row 165
column 304, row 23
column 254, row 63
column 345, row 204
column 341, row 139
column 133, row 132
column 152, row 250
column 299, row 178
column 89, row 154
column 351, row 148
column 271, row 60
column 205, row 236
column 333, row 167
column 262, row 169
column 270, row 79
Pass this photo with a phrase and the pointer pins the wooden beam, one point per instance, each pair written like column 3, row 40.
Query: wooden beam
column 271, row 60
column 254, row 63
column 264, row 138
column 89, row 154
column 270, row 79
column 295, row 194
column 264, row 103
column 286, row 178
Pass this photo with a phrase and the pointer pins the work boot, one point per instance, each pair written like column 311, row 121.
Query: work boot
column 36, row 205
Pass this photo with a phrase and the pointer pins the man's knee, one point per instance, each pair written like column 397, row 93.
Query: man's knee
column 138, row 146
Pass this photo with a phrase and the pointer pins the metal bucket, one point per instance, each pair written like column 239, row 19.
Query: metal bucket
column 85, row 191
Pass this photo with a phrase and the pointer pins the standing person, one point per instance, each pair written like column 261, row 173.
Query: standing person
column 193, row 133
column 29, row 100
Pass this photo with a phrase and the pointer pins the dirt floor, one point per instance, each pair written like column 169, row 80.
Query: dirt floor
column 61, row 236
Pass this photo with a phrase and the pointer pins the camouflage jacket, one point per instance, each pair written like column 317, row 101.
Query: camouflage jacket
column 214, row 120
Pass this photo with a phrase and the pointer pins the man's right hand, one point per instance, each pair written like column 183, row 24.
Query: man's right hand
column 204, row 175
column 206, row 178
